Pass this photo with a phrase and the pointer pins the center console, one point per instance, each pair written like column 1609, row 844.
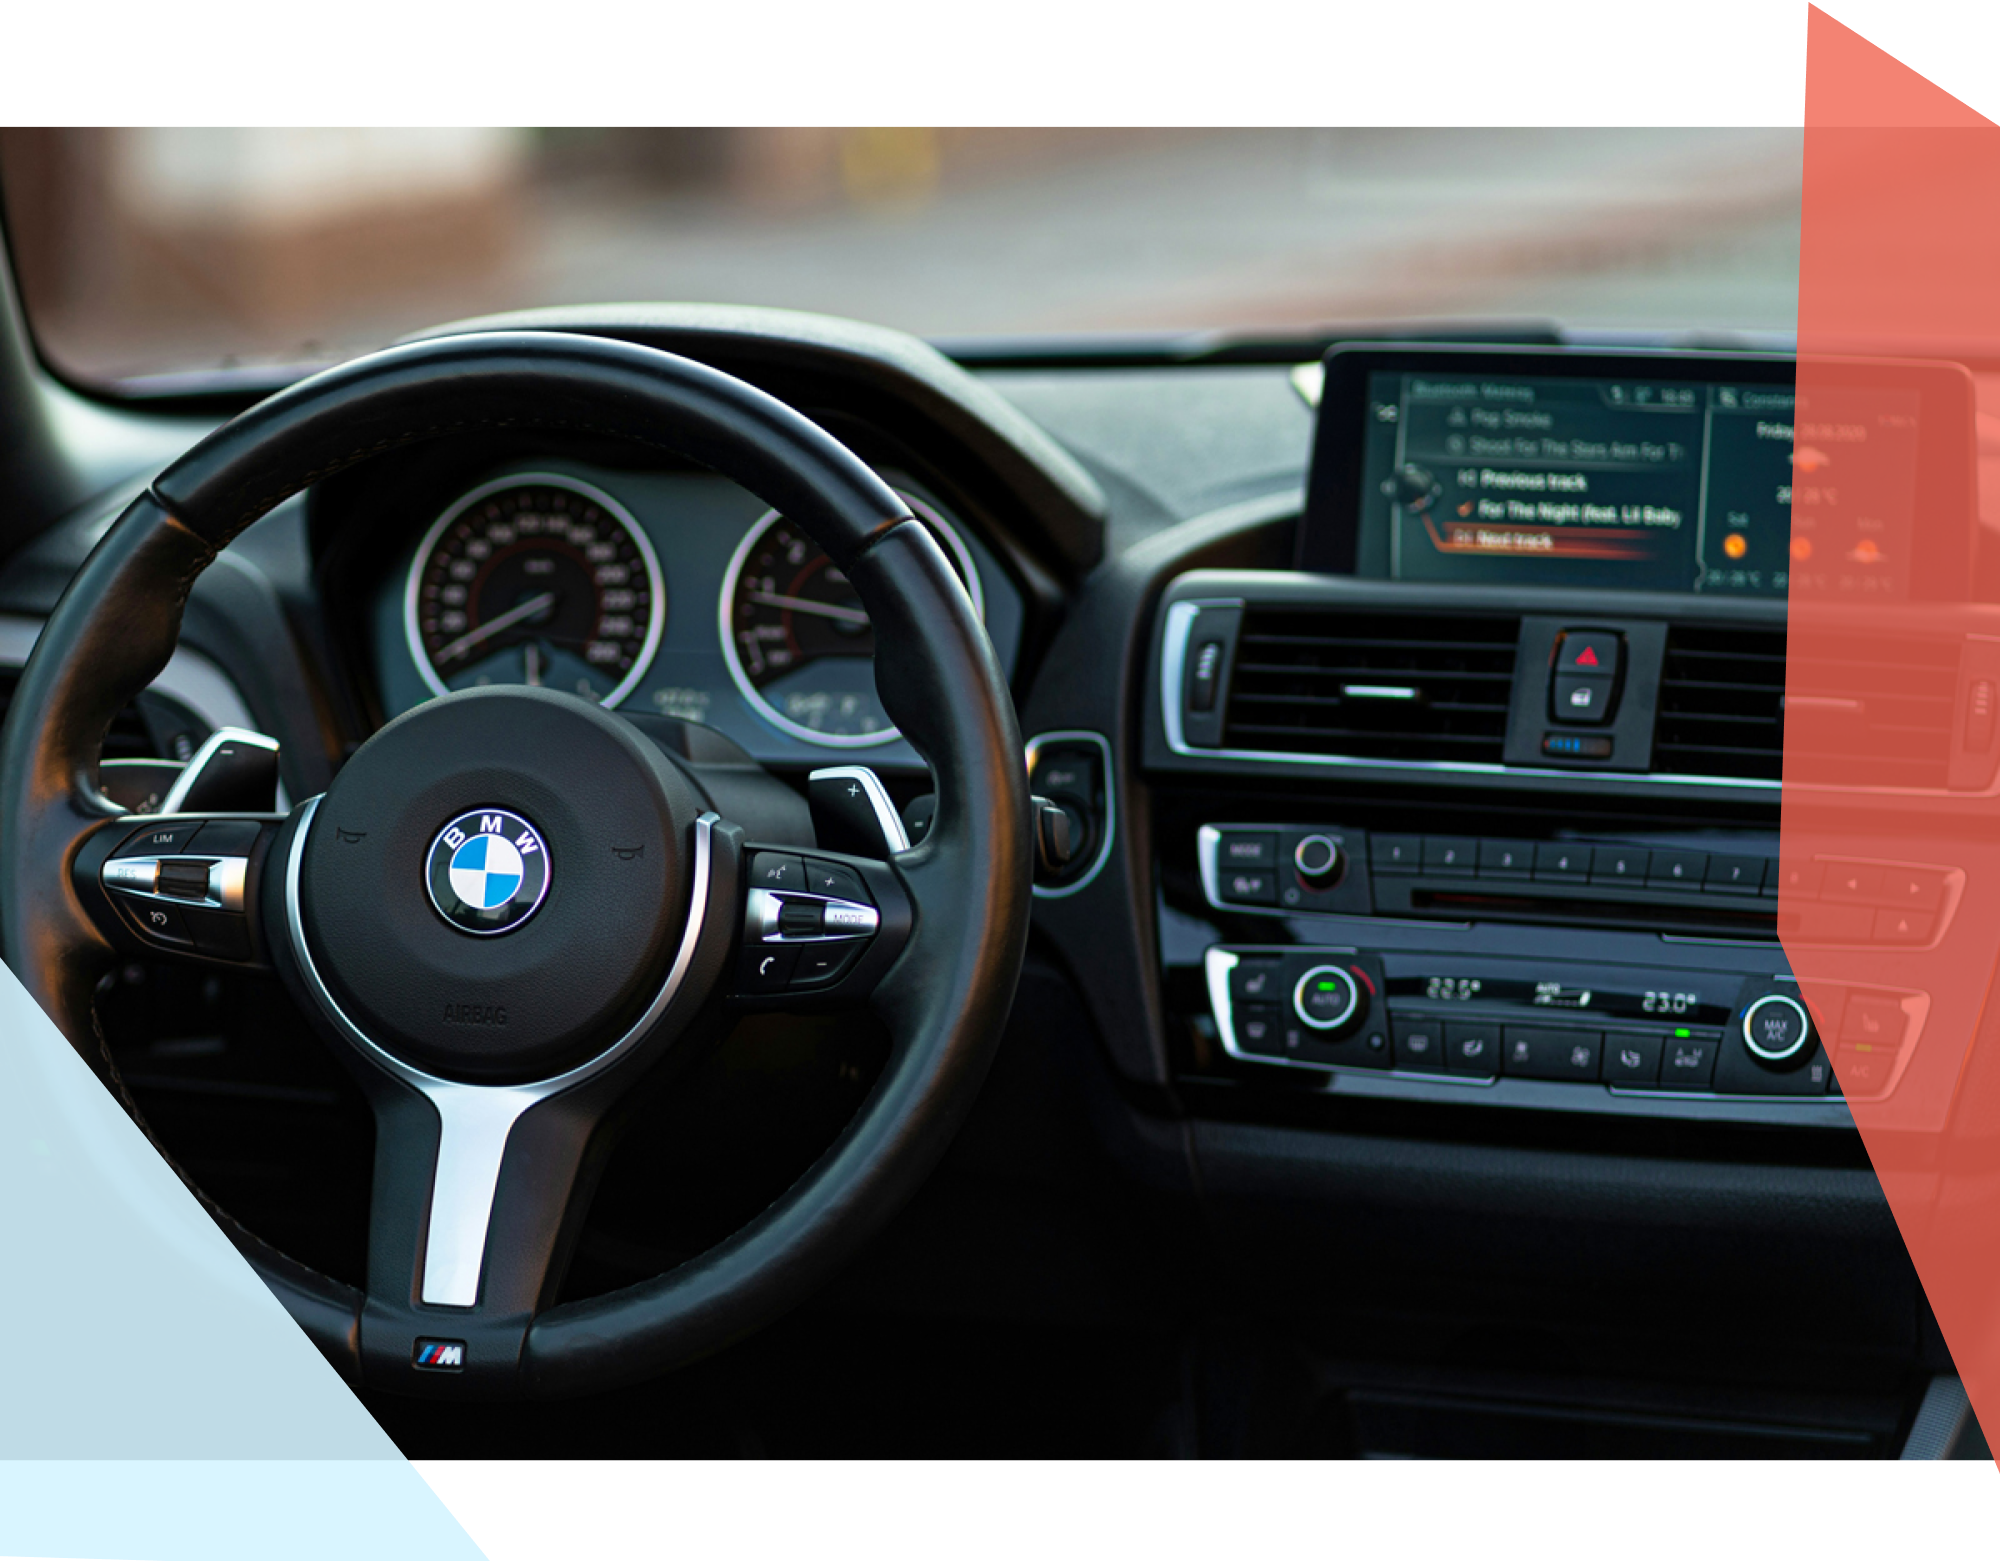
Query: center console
column 1479, row 804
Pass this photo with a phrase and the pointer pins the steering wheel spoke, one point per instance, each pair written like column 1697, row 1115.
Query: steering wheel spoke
column 478, row 1192
column 180, row 885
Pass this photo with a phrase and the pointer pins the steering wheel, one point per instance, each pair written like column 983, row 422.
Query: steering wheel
column 509, row 905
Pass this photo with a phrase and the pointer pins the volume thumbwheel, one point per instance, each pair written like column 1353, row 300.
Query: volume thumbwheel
column 1318, row 859
column 1326, row 997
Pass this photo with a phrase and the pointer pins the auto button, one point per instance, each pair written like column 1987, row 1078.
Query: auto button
column 1326, row 997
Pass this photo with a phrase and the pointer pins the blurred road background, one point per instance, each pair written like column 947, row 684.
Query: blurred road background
column 152, row 251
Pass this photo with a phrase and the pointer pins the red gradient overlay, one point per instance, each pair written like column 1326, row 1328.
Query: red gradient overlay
column 1890, row 910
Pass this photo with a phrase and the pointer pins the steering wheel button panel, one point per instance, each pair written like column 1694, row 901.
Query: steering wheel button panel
column 822, row 964
column 139, row 875
column 783, row 918
column 160, row 839
column 217, row 882
column 841, row 919
column 158, row 922
column 835, row 882
column 800, row 918
column 770, row 870
column 766, row 967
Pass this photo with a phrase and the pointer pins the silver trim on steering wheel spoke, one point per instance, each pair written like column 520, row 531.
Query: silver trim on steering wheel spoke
column 476, row 1120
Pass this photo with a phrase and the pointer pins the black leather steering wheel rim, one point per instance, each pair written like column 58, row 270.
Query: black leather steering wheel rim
column 945, row 1001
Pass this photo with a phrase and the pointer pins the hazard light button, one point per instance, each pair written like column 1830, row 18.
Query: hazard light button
column 1591, row 652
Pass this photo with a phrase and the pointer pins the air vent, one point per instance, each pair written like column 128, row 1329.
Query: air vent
column 1879, row 704
column 1372, row 685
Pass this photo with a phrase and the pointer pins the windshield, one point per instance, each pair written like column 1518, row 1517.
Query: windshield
column 148, row 252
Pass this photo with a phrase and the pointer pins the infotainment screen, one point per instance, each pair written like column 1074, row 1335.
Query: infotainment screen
column 1654, row 472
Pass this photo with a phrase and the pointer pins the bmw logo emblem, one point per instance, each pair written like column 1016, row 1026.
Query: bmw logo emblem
column 488, row 871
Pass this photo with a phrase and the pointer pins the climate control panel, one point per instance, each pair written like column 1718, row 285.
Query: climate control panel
column 1441, row 1023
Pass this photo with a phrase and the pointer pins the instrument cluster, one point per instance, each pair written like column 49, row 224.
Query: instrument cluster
column 673, row 593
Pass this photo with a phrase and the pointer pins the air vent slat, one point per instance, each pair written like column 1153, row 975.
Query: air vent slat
column 1451, row 680
column 1883, row 703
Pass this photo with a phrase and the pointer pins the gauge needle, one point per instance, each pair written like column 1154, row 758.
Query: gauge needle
column 532, row 607
column 818, row 609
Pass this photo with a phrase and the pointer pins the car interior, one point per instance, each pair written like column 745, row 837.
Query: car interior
column 717, row 879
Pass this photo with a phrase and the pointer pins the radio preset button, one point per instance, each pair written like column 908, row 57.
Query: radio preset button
column 1396, row 853
column 1564, row 863
column 1450, row 855
column 1506, row 858
column 1677, row 869
column 1618, row 864
column 1734, row 874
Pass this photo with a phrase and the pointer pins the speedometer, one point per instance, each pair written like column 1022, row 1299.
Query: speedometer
column 798, row 642
column 535, row 579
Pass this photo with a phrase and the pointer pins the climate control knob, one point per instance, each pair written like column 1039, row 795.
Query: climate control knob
column 1327, row 998
column 1319, row 861
column 1776, row 1027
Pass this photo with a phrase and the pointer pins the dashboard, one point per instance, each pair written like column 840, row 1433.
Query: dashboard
column 1424, row 971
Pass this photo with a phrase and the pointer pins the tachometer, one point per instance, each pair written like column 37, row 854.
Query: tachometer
column 797, row 639
column 536, row 579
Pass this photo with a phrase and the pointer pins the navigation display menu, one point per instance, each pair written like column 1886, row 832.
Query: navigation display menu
column 1635, row 484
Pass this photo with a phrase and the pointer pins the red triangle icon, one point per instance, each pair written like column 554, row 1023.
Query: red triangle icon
column 1588, row 658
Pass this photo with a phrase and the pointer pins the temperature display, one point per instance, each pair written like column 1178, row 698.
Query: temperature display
column 1636, row 1001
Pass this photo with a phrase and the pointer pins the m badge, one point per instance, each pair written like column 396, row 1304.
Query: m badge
column 487, row 871
column 439, row 1355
